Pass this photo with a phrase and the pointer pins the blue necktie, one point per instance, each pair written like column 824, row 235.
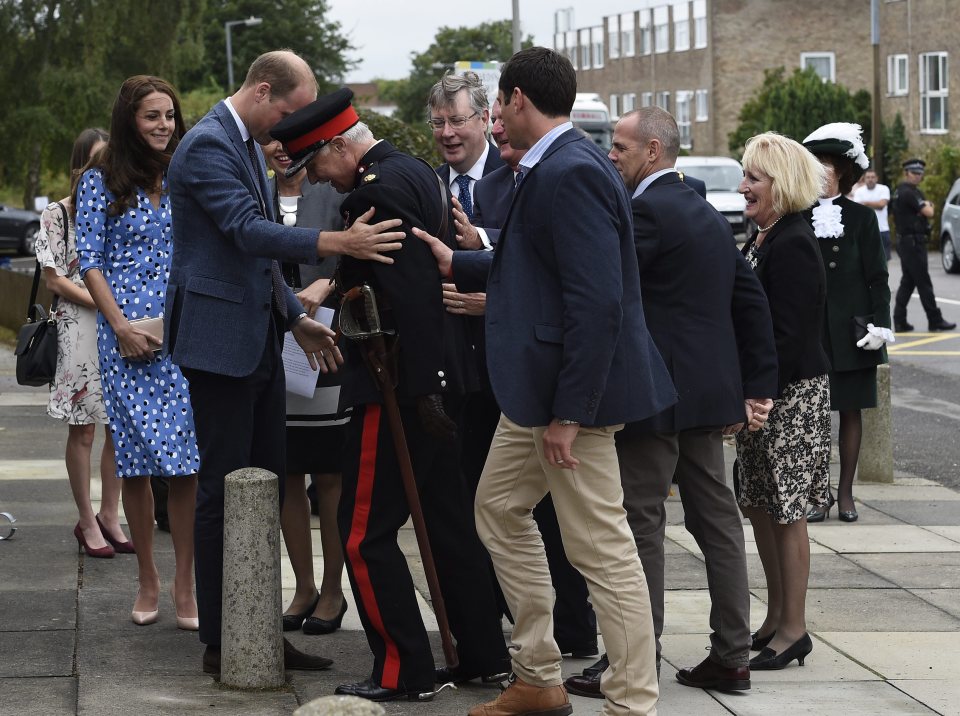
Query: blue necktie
column 466, row 201
column 517, row 179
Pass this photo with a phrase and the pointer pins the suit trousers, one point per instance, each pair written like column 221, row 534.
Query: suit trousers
column 240, row 422
column 373, row 508
column 597, row 539
column 648, row 462
column 916, row 274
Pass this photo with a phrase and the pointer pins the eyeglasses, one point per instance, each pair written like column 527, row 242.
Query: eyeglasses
column 455, row 122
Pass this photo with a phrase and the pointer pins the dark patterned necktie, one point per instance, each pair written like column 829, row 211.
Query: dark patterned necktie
column 279, row 287
column 466, row 201
column 517, row 179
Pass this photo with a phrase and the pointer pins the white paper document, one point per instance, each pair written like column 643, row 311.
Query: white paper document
column 301, row 378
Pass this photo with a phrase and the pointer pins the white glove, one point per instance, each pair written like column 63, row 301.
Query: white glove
column 875, row 339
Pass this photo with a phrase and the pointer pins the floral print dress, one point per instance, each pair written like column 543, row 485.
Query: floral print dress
column 75, row 395
column 148, row 402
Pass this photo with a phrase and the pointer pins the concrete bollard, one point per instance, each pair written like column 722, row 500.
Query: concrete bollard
column 340, row 706
column 251, row 650
column 876, row 448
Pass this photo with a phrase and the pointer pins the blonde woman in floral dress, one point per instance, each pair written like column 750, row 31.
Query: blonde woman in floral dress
column 75, row 395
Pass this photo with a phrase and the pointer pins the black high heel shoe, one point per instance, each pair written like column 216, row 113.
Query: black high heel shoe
column 292, row 622
column 769, row 660
column 316, row 625
column 848, row 515
column 819, row 514
column 759, row 642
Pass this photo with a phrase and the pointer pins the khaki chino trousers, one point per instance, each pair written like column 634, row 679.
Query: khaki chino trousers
column 598, row 543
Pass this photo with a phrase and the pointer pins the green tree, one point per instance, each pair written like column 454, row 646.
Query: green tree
column 796, row 105
column 301, row 25
column 486, row 42
column 943, row 167
column 401, row 135
column 895, row 148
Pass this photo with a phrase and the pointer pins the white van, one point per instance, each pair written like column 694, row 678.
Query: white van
column 722, row 175
column 592, row 116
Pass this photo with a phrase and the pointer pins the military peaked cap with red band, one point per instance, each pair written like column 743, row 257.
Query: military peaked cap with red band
column 305, row 131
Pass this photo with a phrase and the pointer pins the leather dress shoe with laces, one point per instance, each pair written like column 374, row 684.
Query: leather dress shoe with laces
column 585, row 684
column 941, row 325
column 902, row 327
column 371, row 690
column 459, row 675
column 708, row 674
column 598, row 667
column 521, row 698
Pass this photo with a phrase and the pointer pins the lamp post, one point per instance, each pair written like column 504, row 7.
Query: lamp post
column 249, row 22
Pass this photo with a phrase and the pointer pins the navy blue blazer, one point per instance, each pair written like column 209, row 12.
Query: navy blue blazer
column 491, row 201
column 219, row 297
column 566, row 335
column 698, row 185
column 705, row 308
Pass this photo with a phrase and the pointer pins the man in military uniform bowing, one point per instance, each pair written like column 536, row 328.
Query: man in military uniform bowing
column 432, row 371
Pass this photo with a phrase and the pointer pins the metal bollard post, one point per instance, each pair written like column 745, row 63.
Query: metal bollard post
column 876, row 448
column 251, row 649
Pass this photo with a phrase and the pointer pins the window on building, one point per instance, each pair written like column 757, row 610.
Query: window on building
column 681, row 26
column 898, row 75
column 584, row 43
column 646, row 33
column 613, row 36
column 661, row 29
column 823, row 63
column 934, row 88
column 646, row 99
column 663, row 100
column 614, row 105
column 596, row 35
column 682, row 115
column 628, row 40
column 629, row 102
column 572, row 52
column 703, row 108
column 699, row 23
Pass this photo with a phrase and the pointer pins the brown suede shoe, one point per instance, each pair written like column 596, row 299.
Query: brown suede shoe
column 522, row 699
column 709, row 674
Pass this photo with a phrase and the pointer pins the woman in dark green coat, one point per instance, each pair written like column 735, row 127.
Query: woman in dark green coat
column 857, row 324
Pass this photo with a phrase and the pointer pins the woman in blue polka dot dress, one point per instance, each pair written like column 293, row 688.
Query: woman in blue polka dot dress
column 124, row 234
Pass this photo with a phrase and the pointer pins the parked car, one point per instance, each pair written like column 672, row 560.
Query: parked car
column 950, row 230
column 722, row 175
column 19, row 229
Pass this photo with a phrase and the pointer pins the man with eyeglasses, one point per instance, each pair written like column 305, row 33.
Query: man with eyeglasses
column 458, row 112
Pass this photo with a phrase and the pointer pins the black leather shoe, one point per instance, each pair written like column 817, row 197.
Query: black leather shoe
column 769, row 660
column 373, row 691
column 458, row 675
column 819, row 514
column 941, row 325
column 708, row 674
column 292, row 622
column 848, row 516
column 295, row 659
column 598, row 668
column 585, row 685
column 759, row 642
column 316, row 625
column 902, row 327
column 211, row 660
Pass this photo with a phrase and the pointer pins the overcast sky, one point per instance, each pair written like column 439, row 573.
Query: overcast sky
column 385, row 33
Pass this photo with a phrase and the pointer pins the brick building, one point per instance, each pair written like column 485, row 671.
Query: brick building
column 702, row 59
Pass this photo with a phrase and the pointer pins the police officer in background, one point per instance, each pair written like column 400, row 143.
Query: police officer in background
column 433, row 372
column 911, row 211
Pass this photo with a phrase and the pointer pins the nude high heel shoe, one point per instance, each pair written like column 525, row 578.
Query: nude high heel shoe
column 185, row 623
column 145, row 618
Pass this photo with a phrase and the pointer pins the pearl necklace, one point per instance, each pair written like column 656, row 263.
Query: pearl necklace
column 288, row 209
column 763, row 230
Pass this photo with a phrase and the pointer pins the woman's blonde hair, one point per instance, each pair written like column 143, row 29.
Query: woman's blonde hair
column 797, row 177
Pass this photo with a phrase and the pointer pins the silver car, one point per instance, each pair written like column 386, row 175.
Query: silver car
column 950, row 230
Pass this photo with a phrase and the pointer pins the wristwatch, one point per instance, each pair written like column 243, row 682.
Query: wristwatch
column 564, row 421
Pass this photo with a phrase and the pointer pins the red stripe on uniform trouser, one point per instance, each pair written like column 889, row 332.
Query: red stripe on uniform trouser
column 358, row 530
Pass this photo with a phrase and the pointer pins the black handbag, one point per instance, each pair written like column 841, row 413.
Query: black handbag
column 858, row 327
column 36, row 349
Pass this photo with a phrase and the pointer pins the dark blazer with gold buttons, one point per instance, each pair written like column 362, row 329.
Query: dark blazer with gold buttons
column 857, row 285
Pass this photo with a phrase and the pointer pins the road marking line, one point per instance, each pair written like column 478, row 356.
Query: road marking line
column 926, row 353
column 912, row 343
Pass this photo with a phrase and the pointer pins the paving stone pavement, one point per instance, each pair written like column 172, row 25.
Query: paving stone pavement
column 883, row 610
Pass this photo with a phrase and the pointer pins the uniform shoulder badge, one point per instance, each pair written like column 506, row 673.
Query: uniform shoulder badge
column 369, row 178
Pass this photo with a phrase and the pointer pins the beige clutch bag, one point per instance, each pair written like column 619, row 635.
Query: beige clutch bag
column 153, row 326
